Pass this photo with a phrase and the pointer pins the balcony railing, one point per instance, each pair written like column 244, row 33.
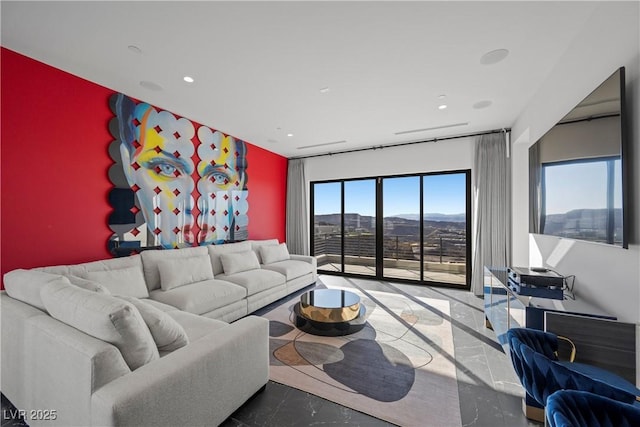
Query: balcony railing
column 441, row 248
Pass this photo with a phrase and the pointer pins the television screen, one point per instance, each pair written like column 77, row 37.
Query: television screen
column 576, row 170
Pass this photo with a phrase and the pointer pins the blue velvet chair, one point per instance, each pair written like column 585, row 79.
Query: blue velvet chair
column 572, row 408
column 535, row 360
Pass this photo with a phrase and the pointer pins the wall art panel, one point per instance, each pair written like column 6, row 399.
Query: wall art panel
column 175, row 183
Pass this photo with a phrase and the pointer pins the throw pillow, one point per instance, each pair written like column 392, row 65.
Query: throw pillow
column 271, row 254
column 89, row 285
column 216, row 250
column 168, row 334
column 238, row 262
column 104, row 317
column 25, row 285
column 126, row 281
column 256, row 244
column 183, row 271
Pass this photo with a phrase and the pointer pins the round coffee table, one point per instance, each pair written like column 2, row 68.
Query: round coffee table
column 330, row 312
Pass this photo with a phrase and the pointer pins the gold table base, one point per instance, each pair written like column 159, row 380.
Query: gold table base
column 330, row 315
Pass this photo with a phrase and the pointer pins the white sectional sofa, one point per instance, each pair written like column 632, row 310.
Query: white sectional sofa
column 144, row 340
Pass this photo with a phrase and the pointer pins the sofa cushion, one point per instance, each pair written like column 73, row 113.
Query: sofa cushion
column 127, row 281
column 159, row 305
column 196, row 326
column 201, row 297
column 89, row 285
column 166, row 332
column 152, row 258
column 104, row 317
column 291, row 269
column 103, row 265
column 257, row 244
column 255, row 280
column 274, row 253
column 237, row 262
column 61, row 270
column 25, row 285
column 216, row 250
column 176, row 272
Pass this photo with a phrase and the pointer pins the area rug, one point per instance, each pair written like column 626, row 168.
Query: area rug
column 399, row 368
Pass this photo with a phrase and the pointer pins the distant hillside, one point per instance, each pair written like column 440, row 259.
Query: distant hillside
column 590, row 224
column 351, row 218
column 435, row 217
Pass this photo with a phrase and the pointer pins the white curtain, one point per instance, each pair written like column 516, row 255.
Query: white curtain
column 492, row 194
column 535, row 189
column 297, row 241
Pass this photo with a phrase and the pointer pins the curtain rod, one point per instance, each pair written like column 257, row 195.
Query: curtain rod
column 401, row 144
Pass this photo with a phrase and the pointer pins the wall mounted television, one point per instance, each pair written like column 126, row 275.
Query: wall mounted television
column 577, row 182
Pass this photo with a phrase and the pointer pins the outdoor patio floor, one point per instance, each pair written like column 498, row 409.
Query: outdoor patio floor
column 397, row 273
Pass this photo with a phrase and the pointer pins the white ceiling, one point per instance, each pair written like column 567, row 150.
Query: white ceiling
column 259, row 66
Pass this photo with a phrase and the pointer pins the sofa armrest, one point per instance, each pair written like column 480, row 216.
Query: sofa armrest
column 200, row 384
column 306, row 258
column 58, row 368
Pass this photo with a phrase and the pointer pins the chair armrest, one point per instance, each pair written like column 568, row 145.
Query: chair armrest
column 572, row 357
column 200, row 384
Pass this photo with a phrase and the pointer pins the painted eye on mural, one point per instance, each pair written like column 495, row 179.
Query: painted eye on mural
column 165, row 168
column 219, row 178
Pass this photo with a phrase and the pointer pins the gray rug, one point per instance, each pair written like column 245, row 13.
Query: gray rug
column 399, row 368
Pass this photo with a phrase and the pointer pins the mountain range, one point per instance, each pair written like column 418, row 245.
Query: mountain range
column 435, row 217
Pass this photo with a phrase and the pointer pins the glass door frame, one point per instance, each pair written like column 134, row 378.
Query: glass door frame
column 379, row 263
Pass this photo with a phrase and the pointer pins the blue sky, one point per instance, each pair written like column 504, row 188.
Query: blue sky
column 580, row 186
column 443, row 194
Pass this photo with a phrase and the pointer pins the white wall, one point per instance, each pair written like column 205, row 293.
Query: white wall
column 452, row 154
column 606, row 276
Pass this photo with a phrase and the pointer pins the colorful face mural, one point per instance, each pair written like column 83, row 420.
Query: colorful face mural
column 221, row 184
column 162, row 172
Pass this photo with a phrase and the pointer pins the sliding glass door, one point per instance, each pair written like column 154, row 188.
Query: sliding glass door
column 327, row 226
column 445, row 244
column 360, row 227
column 408, row 228
column 401, row 225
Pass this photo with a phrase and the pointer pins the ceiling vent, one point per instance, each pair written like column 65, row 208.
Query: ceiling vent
column 304, row 147
column 433, row 128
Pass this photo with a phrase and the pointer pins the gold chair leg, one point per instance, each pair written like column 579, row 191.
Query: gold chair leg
column 533, row 413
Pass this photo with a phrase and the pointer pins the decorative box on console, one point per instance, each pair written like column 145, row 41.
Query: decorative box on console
column 541, row 283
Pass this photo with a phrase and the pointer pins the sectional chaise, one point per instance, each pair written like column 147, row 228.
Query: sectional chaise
column 144, row 339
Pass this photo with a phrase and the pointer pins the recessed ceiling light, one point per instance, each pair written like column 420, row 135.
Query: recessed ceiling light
column 150, row 85
column 134, row 48
column 289, row 134
column 494, row 56
column 482, row 104
column 188, row 79
column 324, row 89
column 442, row 106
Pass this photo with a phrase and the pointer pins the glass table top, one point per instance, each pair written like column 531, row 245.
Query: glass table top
column 329, row 298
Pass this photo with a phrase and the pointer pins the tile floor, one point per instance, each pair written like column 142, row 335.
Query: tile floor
column 489, row 392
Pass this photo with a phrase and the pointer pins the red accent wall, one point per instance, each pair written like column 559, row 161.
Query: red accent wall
column 54, row 164
column 267, row 194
